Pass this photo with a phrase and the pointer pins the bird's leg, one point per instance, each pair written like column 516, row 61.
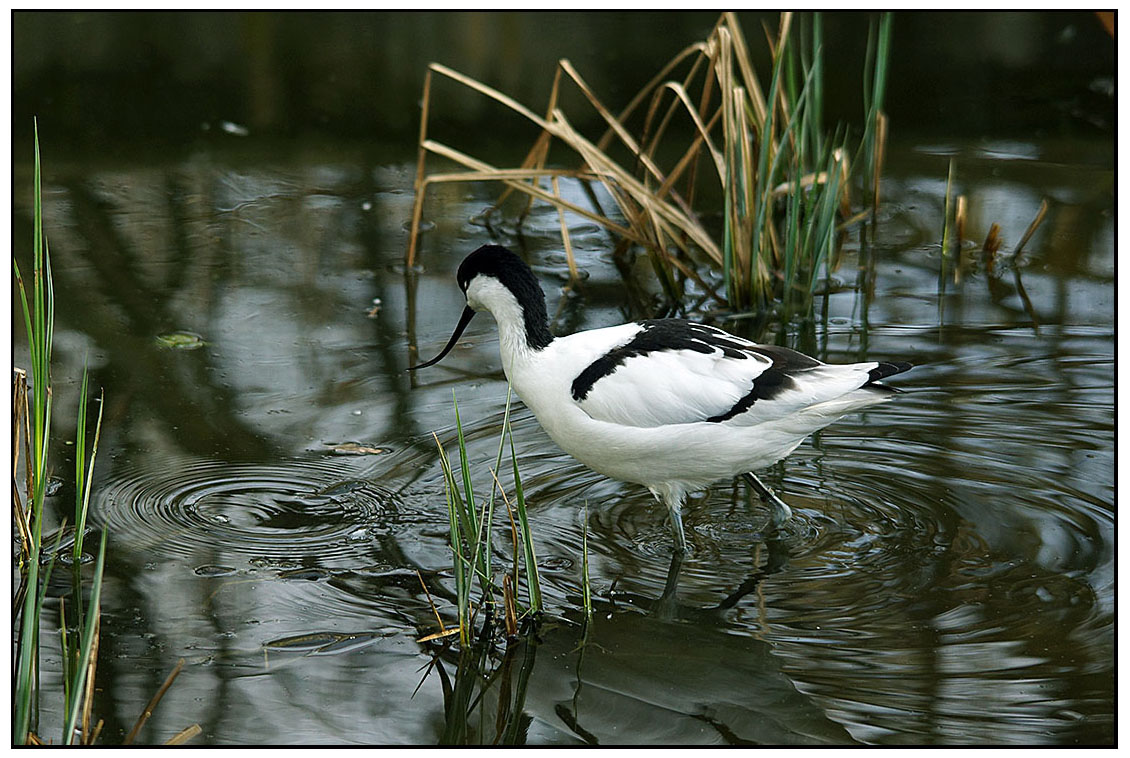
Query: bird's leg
column 675, row 511
column 781, row 511
column 674, row 502
column 667, row 606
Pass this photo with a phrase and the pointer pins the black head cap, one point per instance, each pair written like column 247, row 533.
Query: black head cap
column 516, row 276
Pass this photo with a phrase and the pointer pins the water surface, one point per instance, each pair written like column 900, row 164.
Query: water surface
column 948, row 577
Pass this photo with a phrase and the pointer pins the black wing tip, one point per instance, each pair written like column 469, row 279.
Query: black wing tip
column 887, row 368
column 882, row 371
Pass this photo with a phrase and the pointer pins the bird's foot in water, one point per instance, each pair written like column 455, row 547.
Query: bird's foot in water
column 781, row 512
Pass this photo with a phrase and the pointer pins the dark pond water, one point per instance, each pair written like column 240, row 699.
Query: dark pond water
column 948, row 576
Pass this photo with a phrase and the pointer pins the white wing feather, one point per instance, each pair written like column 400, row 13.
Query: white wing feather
column 666, row 387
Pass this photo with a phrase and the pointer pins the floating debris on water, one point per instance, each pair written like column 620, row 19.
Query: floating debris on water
column 326, row 643
column 309, row 573
column 235, row 129
column 214, row 570
column 343, row 487
column 181, row 341
column 357, row 448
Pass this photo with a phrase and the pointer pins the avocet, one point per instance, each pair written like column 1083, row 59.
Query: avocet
column 666, row 403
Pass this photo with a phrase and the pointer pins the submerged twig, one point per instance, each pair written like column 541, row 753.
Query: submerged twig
column 152, row 705
column 959, row 232
column 184, row 735
column 990, row 247
column 431, row 602
column 1032, row 227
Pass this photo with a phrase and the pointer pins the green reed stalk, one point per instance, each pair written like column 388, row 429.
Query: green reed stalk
column 533, row 586
column 84, row 474
column 455, row 510
column 823, row 224
column 470, row 522
column 470, row 532
column 39, row 323
column 456, row 541
column 944, row 258
column 728, row 237
column 874, row 90
column 39, row 320
column 88, row 628
column 816, row 117
column 763, row 184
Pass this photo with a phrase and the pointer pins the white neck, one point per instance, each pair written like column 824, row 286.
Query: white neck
column 487, row 293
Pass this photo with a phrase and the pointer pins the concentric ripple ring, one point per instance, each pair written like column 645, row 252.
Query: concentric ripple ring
column 287, row 510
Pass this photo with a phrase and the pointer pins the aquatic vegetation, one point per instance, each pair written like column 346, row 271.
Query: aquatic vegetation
column 484, row 702
column 471, row 537
column 32, row 419
column 954, row 216
column 483, row 694
column 80, row 610
column 785, row 185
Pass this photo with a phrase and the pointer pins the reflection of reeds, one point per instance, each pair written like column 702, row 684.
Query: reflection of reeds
column 483, row 682
column 955, row 220
column 783, row 183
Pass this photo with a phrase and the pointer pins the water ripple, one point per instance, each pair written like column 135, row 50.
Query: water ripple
column 279, row 512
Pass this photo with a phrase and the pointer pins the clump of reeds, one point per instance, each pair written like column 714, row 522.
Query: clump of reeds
column 784, row 184
column 31, row 434
column 31, row 422
column 471, row 535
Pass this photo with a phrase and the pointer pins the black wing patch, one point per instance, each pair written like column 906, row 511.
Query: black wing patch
column 766, row 386
column 786, row 359
column 883, row 370
column 773, row 380
column 658, row 335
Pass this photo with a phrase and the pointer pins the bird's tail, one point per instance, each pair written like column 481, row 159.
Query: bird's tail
column 882, row 371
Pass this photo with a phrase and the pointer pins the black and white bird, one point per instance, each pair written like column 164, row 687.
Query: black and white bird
column 666, row 403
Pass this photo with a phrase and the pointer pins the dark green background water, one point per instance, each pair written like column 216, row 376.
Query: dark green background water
column 117, row 81
column 949, row 576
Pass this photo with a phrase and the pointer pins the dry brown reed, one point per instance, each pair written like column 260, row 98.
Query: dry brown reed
column 759, row 152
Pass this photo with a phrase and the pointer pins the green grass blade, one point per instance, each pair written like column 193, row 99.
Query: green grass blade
column 728, row 238
column 874, row 88
column 85, row 506
column 533, row 584
column 764, row 184
column 26, row 654
column 882, row 56
column 26, row 310
column 80, row 465
column 455, row 534
column 471, row 527
column 79, row 685
column 586, row 587
column 816, row 118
